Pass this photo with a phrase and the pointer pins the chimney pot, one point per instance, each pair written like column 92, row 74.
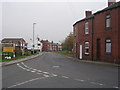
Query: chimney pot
column 88, row 13
column 110, row 2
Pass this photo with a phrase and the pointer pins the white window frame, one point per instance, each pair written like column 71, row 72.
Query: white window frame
column 86, row 28
column 108, row 46
column 86, row 47
column 108, row 21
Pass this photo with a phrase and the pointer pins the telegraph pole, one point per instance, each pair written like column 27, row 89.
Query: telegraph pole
column 33, row 35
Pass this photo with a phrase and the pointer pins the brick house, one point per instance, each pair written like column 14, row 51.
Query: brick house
column 50, row 46
column 45, row 44
column 20, row 45
column 96, row 37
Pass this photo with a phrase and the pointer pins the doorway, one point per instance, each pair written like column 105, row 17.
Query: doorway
column 98, row 49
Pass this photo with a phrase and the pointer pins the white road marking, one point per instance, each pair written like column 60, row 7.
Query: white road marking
column 39, row 73
column 27, row 70
column 93, row 82
column 54, row 75
column 18, row 64
column 65, row 77
column 101, row 84
column 56, row 66
column 46, row 75
column 21, row 66
column 26, row 82
column 116, row 87
column 25, row 65
column 96, row 83
column 80, row 80
column 32, row 71
column 46, row 72
column 39, row 70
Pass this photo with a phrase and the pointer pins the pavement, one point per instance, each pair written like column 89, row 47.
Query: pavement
column 52, row 70
column 19, row 60
column 97, row 62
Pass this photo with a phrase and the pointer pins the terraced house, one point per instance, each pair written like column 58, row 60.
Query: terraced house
column 96, row 37
column 50, row 46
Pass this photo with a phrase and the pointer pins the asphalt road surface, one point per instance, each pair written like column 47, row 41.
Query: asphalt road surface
column 52, row 70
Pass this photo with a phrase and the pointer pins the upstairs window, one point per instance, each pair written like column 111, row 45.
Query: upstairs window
column 108, row 45
column 86, row 28
column 87, row 48
column 108, row 21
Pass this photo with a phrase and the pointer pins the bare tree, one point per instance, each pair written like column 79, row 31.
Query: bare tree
column 68, row 42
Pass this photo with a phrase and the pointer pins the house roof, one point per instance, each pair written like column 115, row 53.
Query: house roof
column 116, row 5
column 88, row 17
column 12, row 39
column 55, row 44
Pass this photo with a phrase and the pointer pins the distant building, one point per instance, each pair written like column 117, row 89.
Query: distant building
column 16, row 45
column 39, row 46
column 50, row 46
column 97, row 36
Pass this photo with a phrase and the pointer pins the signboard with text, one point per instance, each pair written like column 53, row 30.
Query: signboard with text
column 8, row 49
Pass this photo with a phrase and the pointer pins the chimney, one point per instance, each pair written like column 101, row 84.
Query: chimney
column 110, row 2
column 88, row 13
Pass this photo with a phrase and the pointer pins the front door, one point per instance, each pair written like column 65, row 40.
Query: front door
column 98, row 49
column 80, row 51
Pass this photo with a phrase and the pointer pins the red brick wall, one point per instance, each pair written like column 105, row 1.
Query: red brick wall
column 75, row 31
column 102, row 33
column 81, row 38
column 85, row 38
column 45, row 45
column 119, row 34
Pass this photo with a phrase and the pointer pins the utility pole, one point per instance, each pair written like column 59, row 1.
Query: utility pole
column 33, row 35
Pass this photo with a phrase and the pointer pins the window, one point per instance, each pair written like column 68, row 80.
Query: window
column 86, row 47
column 86, row 28
column 108, row 21
column 108, row 46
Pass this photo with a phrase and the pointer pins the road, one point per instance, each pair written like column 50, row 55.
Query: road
column 52, row 70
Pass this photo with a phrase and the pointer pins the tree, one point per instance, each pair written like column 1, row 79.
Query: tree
column 68, row 42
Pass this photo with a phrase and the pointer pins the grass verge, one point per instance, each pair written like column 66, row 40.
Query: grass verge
column 16, row 58
column 66, row 53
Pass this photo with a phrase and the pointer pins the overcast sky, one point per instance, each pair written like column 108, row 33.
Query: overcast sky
column 54, row 19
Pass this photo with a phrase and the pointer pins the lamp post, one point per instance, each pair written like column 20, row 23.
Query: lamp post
column 33, row 35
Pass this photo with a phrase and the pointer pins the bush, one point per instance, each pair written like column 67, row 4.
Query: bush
column 28, row 53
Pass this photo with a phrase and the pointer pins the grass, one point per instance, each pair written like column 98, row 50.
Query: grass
column 66, row 53
column 19, row 57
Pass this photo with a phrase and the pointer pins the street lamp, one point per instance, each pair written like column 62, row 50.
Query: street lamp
column 33, row 35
